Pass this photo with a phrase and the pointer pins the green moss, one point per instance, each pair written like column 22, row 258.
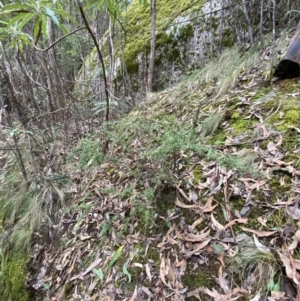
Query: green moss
column 186, row 32
column 292, row 117
column 138, row 28
column 277, row 219
column 241, row 125
column 174, row 55
column 13, row 276
column 214, row 22
column 235, row 115
column 197, row 171
column 201, row 277
column 227, row 38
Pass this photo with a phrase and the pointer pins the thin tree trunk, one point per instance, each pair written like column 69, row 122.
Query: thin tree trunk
column 112, row 57
column 211, row 30
column 152, row 46
column 250, row 30
column 101, row 61
column 236, row 24
column 261, row 17
column 274, row 36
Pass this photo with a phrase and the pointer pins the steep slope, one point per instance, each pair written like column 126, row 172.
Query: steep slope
column 197, row 196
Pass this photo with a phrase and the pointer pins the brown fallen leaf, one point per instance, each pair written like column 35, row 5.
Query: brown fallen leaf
column 196, row 237
column 260, row 246
column 182, row 205
column 276, row 296
column 148, row 273
column 296, row 239
column 216, row 223
column 260, row 233
column 208, row 206
column 239, row 221
column 196, row 223
column 288, row 263
column 197, row 249
column 163, row 272
column 134, row 295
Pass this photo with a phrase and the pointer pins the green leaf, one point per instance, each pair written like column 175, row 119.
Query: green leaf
column 276, row 287
column 91, row 3
column 17, row 18
column 44, row 29
column 270, row 285
column 51, row 14
column 61, row 12
column 46, row 286
column 218, row 248
column 105, row 229
column 17, row 7
column 115, row 257
column 64, row 28
column 99, row 274
column 125, row 272
column 113, row 9
column 25, row 20
column 36, row 29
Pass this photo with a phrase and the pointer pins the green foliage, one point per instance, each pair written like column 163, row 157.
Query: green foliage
column 138, row 28
column 111, row 6
column 28, row 206
column 101, row 106
column 211, row 124
column 13, row 276
column 87, row 153
column 258, row 269
column 115, row 257
column 34, row 13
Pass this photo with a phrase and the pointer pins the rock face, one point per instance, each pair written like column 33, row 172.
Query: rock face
column 189, row 33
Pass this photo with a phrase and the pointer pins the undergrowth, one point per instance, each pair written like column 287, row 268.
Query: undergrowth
column 258, row 269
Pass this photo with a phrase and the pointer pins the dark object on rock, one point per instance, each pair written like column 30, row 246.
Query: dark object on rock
column 289, row 66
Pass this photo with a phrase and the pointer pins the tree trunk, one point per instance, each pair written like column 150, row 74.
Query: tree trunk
column 112, row 57
column 289, row 66
column 250, row 30
column 261, row 17
column 152, row 46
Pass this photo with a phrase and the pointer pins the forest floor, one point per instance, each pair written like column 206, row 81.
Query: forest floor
column 197, row 197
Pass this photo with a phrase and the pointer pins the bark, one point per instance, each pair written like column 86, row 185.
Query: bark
column 261, row 17
column 152, row 46
column 112, row 57
column 250, row 30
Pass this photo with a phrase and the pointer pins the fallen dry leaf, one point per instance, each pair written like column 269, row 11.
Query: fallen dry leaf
column 260, row 233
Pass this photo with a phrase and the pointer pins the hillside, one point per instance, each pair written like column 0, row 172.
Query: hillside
column 196, row 198
column 109, row 192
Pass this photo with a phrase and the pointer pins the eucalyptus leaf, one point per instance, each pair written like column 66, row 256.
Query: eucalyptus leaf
column 51, row 14
column 125, row 272
column 115, row 257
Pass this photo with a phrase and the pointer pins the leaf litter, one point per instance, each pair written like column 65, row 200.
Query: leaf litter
column 109, row 250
